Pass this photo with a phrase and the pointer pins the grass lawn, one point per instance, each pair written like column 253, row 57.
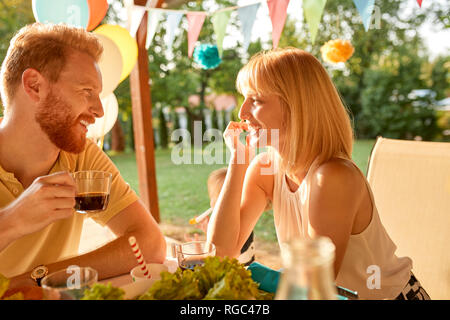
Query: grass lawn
column 182, row 188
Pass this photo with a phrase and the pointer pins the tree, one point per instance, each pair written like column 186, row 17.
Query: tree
column 163, row 135
column 214, row 119
column 440, row 77
column 14, row 14
column 387, row 63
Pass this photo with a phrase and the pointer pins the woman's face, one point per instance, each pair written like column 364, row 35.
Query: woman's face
column 263, row 113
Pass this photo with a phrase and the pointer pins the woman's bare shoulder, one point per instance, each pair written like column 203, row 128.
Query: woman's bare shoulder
column 338, row 171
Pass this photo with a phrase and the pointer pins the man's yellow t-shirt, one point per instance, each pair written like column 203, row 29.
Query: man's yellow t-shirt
column 60, row 239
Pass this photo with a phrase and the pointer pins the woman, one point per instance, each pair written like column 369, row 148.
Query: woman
column 292, row 106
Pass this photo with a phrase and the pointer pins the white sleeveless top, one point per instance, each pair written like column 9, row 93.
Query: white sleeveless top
column 368, row 253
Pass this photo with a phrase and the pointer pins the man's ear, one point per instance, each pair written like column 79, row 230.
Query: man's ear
column 34, row 84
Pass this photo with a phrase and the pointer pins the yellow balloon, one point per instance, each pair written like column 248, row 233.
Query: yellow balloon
column 110, row 65
column 126, row 44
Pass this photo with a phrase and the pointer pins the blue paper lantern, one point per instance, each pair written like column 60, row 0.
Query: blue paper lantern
column 207, row 56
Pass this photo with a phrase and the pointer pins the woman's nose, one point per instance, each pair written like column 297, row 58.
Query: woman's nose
column 245, row 109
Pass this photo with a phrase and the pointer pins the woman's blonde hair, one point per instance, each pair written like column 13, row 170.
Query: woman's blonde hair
column 316, row 121
column 44, row 47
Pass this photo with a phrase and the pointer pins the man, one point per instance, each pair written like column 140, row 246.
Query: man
column 50, row 89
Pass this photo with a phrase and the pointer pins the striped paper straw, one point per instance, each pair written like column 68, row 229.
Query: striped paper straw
column 138, row 254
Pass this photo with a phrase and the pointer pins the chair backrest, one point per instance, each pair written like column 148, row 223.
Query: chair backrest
column 411, row 185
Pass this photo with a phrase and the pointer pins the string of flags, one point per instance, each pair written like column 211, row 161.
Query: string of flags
column 312, row 9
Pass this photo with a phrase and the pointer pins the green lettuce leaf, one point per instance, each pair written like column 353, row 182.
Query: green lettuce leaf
column 103, row 292
column 217, row 279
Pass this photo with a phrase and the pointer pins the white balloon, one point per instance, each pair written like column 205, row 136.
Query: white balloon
column 110, row 65
column 104, row 124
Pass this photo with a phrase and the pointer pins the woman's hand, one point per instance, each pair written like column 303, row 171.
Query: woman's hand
column 241, row 154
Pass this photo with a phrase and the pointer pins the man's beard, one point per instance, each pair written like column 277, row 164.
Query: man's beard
column 56, row 120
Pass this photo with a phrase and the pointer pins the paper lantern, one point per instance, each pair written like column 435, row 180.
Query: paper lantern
column 335, row 51
column 71, row 12
column 126, row 44
column 97, row 11
column 110, row 65
column 104, row 124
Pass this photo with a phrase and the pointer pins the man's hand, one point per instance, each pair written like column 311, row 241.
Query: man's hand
column 47, row 199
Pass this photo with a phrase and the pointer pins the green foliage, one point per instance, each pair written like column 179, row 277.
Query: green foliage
column 214, row 119
column 101, row 291
column 387, row 110
column 163, row 134
column 440, row 77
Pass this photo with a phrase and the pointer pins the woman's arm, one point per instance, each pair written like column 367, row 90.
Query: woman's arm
column 239, row 205
column 337, row 190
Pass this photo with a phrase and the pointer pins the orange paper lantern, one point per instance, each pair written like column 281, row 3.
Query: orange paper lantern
column 97, row 11
column 335, row 51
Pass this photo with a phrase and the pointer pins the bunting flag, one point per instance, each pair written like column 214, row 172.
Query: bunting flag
column 153, row 20
column 313, row 10
column 220, row 22
column 365, row 9
column 247, row 16
column 277, row 13
column 195, row 23
column 420, row 3
column 173, row 21
column 137, row 12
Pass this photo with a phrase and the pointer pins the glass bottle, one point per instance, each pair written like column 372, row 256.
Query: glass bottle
column 308, row 270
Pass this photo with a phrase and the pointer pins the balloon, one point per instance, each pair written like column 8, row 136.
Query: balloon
column 104, row 124
column 110, row 65
column 71, row 12
column 127, row 45
column 97, row 11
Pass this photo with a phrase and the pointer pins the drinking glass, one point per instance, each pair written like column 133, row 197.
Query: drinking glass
column 93, row 189
column 71, row 282
column 194, row 253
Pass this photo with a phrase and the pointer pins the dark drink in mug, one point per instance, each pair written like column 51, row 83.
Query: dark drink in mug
column 91, row 201
column 93, row 189
column 191, row 264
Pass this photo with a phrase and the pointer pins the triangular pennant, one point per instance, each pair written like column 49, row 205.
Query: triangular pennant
column 220, row 21
column 365, row 8
column 313, row 10
column 247, row 16
column 153, row 20
column 195, row 23
column 137, row 12
column 173, row 20
column 420, row 3
column 278, row 13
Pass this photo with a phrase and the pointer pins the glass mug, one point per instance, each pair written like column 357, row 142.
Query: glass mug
column 70, row 283
column 93, row 189
column 191, row 254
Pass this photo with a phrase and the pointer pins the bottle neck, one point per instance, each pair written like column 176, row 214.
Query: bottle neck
column 308, row 271
column 312, row 281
